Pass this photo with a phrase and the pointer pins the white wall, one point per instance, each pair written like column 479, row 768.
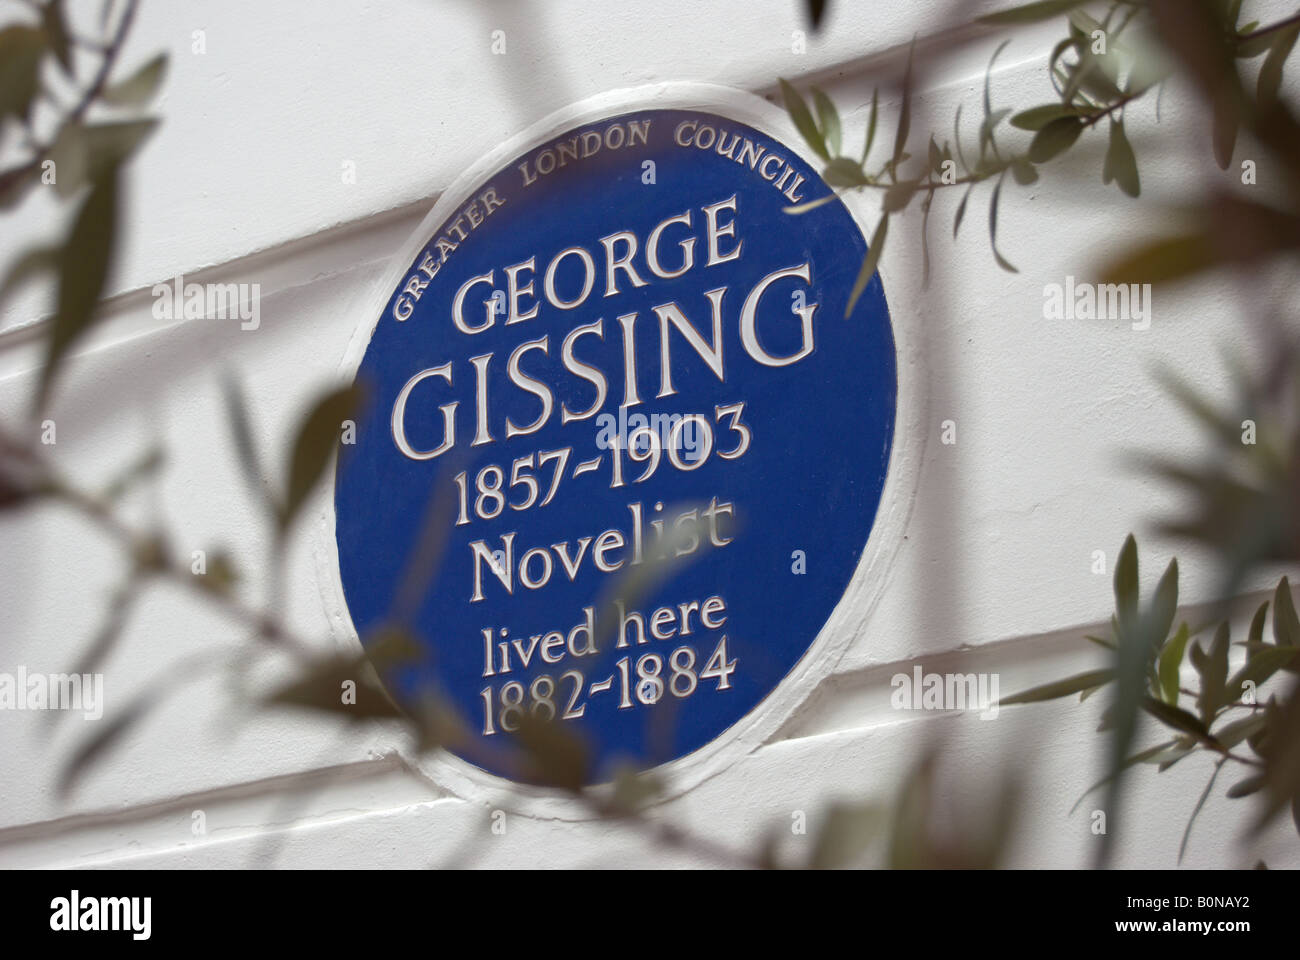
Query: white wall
column 242, row 184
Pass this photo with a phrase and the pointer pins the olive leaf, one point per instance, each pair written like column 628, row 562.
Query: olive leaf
column 1024, row 172
column 828, row 120
column 1136, row 651
column 991, row 118
column 56, row 30
column 1255, row 635
column 317, row 440
column 871, row 126
column 83, row 270
column 1178, row 719
column 108, row 736
column 993, row 226
column 241, row 427
column 961, row 211
column 110, row 629
column 633, row 790
column 811, row 205
column 1164, row 605
column 21, row 49
column 1231, row 734
column 341, row 685
column 1030, row 12
column 349, row 684
column 140, row 87
column 1149, row 755
column 905, row 112
column 222, row 574
column 1121, row 163
column 1226, row 121
column 1270, row 74
column 1286, row 624
column 868, row 269
column 1163, row 260
column 899, row 195
column 1212, row 665
column 1171, row 658
column 1258, row 669
column 1245, row 788
column 843, row 172
column 803, row 120
column 846, row 833
column 84, row 153
column 1060, row 688
column 555, row 755
column 1035, row 118
column 1055, row 137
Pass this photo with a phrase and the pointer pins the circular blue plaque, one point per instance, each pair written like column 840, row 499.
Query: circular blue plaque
column 617, row 406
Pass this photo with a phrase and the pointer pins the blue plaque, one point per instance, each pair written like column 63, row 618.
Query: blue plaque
column 620, row 379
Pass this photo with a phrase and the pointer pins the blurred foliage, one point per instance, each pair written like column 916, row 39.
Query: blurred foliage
column 1245, row 508
column 921, row 829
column 1111, row 56
column 1104, row 65
column 1245, row 490
column 1224, row 710
column 77, row 149
column 1246, row 495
